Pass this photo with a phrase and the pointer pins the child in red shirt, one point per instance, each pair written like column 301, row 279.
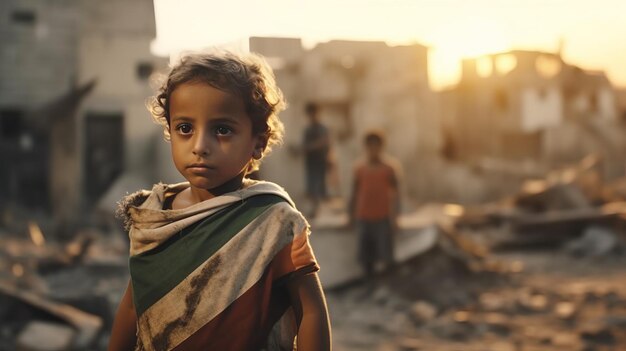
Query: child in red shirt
column 374, row 204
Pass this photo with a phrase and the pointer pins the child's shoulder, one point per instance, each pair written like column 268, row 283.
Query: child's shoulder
column 392, row 164
column 278, row 209
column 130, row 200
column 260, row 187
column 140, row 198
column 359, row 164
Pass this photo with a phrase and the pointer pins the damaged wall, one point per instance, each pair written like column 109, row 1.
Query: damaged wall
column 53, row 50
column 115, row 50
column 37, row 66
column 532, row 105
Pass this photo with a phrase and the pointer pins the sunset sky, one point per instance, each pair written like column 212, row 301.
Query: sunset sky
column 593, row 33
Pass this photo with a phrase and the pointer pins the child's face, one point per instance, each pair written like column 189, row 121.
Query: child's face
column 313, row 117
column 374, row 150
column 211, row 134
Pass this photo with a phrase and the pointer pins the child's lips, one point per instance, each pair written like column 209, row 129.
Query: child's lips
column 199, row 168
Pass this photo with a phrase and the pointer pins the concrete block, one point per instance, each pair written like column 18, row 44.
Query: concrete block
column 45, row 336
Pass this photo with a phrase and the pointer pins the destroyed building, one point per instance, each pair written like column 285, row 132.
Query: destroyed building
column 533, row 106
column 358, row 85
column 75, row 75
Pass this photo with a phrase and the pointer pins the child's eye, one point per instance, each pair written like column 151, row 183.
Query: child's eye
column 222, row 131
column 184, row 128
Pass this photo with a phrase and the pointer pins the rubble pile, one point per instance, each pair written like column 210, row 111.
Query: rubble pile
column 384, row 312
column 556, row 302
column 58, row 295
column 571, row 208
column 475, row 289
column 454, row 264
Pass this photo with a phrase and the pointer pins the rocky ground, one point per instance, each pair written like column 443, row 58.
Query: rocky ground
column 546, row 299
column 556, row 302
column 452, row 294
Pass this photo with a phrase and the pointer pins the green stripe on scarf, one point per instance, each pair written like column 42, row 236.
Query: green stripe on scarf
column 156, row 272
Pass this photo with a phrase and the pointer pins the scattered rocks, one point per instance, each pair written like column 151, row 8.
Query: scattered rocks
column 409, row 344
column 462, row 316
column 498, row 323
column 453, row 331
column 566, row 339
column 598, row 334
column 533, row 312
column 533, row 302
column 422, row 312
column 491, row 302
column 565, row 310
column 502, row 346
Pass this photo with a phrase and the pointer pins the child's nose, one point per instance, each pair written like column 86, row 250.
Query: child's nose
column 201, row 144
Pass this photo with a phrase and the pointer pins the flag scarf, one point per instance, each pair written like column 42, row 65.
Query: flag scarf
column 213, row 276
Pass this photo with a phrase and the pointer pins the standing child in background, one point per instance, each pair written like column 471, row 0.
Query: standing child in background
column 374, row 205
column 219, row 262
column 316, row 145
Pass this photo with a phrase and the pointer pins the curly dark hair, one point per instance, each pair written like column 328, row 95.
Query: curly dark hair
column 245, row 75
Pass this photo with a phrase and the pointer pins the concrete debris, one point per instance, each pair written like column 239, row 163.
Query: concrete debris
column 498, row 323
column 565, row 310
column 87, row 325
column 422, row 312
column 409, row 344
column 60, row 292
column 491, row 302
column 568, row 340
column 533, row 302
column 540, row 196
column 598, row 334
column 570, row 205
column 43, row 336
column 596, row 241
column 537, row 299
column 502, row 346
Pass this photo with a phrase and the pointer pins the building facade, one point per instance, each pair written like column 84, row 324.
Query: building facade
column 528, row 105
column 72, row 116
column 358, row 86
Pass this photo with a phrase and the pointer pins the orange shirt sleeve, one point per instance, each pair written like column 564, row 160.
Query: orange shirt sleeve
column 297, row 257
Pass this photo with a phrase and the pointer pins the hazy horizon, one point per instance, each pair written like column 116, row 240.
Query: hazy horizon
column 591, row 35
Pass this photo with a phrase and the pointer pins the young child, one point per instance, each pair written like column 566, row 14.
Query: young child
column 219, row 262
column 316, row 145
column 374, row 204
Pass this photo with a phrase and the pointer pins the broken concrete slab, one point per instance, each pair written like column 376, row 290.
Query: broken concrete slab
column 540, row 196
column 556, row 208
column 87, row 326
column 596, row 241
column 45, row 336
column 569, row 223
column 336, row 251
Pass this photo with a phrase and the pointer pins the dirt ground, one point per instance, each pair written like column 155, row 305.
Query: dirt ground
column 557, row 302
